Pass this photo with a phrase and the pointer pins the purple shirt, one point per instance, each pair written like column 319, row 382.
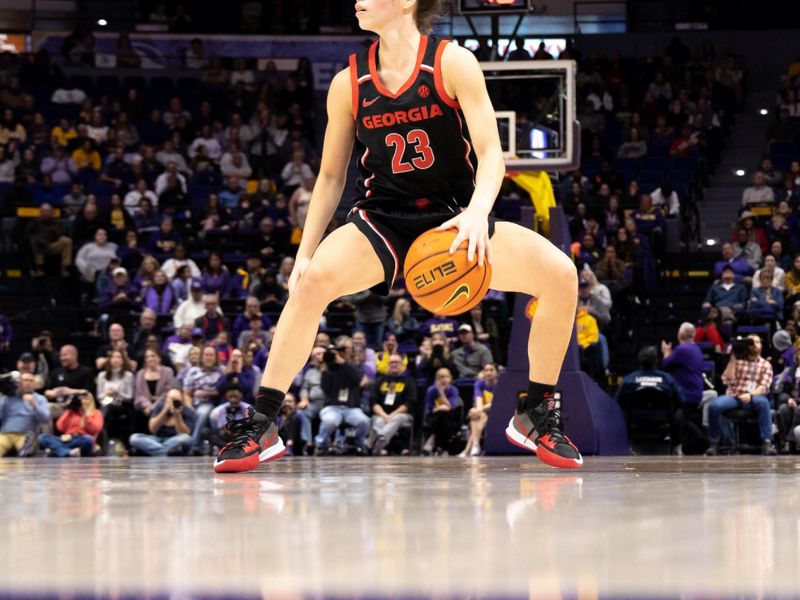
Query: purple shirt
column 447, row 326
column 451, row 392
column 217, row 283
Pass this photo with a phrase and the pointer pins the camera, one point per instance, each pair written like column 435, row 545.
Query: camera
column 329, row 358
column 740, row 347
column 232, row 410
column 74, row 403
column 177, row 404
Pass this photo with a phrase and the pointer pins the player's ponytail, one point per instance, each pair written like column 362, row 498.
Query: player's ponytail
column 428, row 11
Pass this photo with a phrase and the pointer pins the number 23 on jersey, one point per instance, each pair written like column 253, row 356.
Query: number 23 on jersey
column 421, row 143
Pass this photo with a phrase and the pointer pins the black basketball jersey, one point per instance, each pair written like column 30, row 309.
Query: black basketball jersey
column 412, row 147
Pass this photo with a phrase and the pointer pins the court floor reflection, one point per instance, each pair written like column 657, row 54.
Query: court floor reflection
column 450, row 528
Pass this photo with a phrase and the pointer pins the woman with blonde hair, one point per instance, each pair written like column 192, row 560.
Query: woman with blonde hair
column 402, row 324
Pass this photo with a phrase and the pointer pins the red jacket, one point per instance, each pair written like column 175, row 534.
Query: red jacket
column 70, row 422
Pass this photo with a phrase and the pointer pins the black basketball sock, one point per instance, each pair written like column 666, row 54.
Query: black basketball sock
column 537, row 394
column 268, row 401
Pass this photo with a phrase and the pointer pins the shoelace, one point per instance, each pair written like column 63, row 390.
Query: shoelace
column 241, row 429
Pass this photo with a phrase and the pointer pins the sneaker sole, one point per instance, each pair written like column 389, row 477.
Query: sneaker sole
column 551, row 459
column 514, row 436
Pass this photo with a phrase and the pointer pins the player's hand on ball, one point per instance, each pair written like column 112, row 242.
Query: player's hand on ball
column 473, row 227
column 300, row 265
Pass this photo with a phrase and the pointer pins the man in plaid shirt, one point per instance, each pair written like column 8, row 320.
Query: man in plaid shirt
column 749, row 381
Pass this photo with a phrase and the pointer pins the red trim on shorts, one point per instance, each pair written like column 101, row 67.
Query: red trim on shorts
column 354, row 86
column 362, row 213
column 437, row 77
column 373, row 69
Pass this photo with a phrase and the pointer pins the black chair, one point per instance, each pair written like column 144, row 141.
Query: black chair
column 649, row 415
column 746, row 435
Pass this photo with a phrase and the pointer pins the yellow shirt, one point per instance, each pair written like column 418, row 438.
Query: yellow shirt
column 62, row 137
column 792, row 284
column 86, row 159
column 382, row 362
column 586, row 324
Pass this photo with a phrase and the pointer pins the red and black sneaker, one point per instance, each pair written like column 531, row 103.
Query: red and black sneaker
column 255, row 440
column 537, row 430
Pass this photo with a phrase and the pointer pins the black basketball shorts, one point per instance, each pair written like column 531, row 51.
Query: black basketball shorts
column 391, row 235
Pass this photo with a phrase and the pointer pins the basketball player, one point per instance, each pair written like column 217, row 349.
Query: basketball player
column 408, row 103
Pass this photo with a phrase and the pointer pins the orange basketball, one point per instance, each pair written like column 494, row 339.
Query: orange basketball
column 443, row 283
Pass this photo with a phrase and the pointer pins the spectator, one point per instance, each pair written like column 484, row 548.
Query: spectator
column 758, row 193
column 68, row 379
column 209, row 141
column 772, row 176
column 788, row 388
column 748, row 380
column 295, row 172
column 747, row 220
column 750, row 251
column 127, row 57
column 596, row 297
column 121, row 294
column 685, row 364
column 245, row 377
column 79, row 424
column 635, row 147
column 610, row 269
column 340, row 381
column 191, row 309
column 60, row 167
column 485, row 328
column 666, row 199
column 146, row 219
column 235, row 164
column 95, row 256
column 312, row 396
column 152, row 382
column 195, row 55
column 436, row 357
column 727, row 295
column 115, row 391
column 478, row 415
column 165, row 239
column 211, row 322
column 393, row 397
column 171, row 265
column 792, row 281
column 401, row 323
column 738, row 264
column 381, row 359
column 46, row 236
column 146, row 328
column 116, row 341
column 11, row 129
column 86, row 157
column 589, row 341
column 170, row 426
column 134, row 197
column 445, row 325
column 67, row 93
column 471, row 356
column 784, row 128
column 159, row 296
column 216, row 278
column 778, row 274
column 442, row 412
column 229, row 197
column 765, row 299
column 21, row 415
column 200, row 391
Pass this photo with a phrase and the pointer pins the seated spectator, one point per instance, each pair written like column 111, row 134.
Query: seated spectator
column 295, row 172
column 206, row 139
column 252, row 309
column 200, row 391
column 182, row 281
column 134, row 197
column 146, row 218
column 792, row 281
column 341, row 381
column 401, row 323
column 750, row 251
column 748, row 382
column 46, row 236
column 116, row 341
column 170, row 425
column 634, row 147
column 171, row 265
column 685, row 142
column 235, row 164
column 758, row 193
column 234, row 407
column 192, row 308
column 79, row 424
column 69, row 378
column 589, row 341
column 146, row 327
column 588, row 252
column 485, row 328
column 312, row 396
column 118, row 219
column 685, row 364
column 115, row 393
column 172, row 198
column 255, row 333
column 726, row 295
column 755, row 233
column 28, row 168
column 766, row 299
column 710, row 330
column 215, row 277
column 610, row 270
column 595, row 297
column 246, row 377
column 95, row 256
column 647, row 377
column 73, row 201
column 87, row 222
column 21, row 416
column 211, row 322
column 130, row 254
column 229, row 197
column 650, row 223
column 146, row 273
column 778, row 274
column 738, row 264
column 442, row 414
column 221, row 343
column 666, row 199
column 159, row 296
column 788, row 388
column 165, row 239
column 471, row 356
column 87, row 157
column 192, row 358
column 63, row 133
column 381, row 359
column 784, row 128
column 116, row 170
column 435, row 357
column 478, row 415
column 392, row 399
column 772, row 176
column 121, row 293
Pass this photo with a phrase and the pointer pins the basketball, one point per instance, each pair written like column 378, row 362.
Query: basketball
column 443, row 283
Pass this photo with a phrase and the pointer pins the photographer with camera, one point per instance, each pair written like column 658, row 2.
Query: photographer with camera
column 69, row 379
column 341, row 381
column 79, row 425
column 748, row 378
column 170, row 427
column 439, row 358
column 22, row 412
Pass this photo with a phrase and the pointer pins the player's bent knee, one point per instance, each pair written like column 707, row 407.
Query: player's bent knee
column 316, row 285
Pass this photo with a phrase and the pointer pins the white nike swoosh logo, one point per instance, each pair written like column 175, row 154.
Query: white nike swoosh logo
column 367, row 103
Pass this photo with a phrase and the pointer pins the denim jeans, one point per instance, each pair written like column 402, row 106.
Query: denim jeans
column 720, row 404
column 332, row 416
column 152, row 445
column 201, row 410
column 61, row 449
column 307, row 416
